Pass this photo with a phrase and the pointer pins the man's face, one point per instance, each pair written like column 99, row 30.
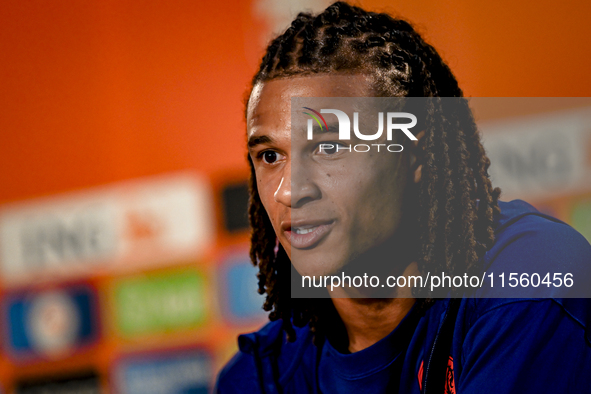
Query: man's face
column 326, row 207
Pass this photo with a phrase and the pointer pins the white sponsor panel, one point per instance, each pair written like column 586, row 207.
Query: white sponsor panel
column 119, row 227
column 542, row 156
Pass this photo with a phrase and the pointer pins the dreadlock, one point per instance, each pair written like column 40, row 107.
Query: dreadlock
column 456, row 203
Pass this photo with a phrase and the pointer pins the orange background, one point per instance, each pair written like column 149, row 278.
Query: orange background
column 96, row 92
column 100, row 91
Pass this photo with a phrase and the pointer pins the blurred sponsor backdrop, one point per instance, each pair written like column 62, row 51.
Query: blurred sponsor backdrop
column 123, row 233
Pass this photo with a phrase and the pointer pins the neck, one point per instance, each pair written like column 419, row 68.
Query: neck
column 368, row 320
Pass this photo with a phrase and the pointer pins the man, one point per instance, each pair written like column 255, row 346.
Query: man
column 324, row 208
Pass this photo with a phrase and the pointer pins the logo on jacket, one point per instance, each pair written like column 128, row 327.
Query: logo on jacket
column 450, row 386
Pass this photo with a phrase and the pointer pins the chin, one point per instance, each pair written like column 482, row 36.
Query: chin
column 316, row 264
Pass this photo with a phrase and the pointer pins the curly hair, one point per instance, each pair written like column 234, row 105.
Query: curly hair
column 456, row 202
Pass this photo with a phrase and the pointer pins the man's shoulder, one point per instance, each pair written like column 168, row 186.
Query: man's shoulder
column 532, row 230
column 522, row 345
column 548, row 258
column 526, row 270
column 484, row 309
column 243, row 370
column 239, row 375
column 264, row 356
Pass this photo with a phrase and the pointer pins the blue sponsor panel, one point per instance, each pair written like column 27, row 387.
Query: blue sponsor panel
column 180, row 372
column 51, row 323
column 241, row 301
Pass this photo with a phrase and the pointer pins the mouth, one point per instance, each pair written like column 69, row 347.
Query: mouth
column 306, row 234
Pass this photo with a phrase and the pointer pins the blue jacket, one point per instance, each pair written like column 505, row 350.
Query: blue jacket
column 500, row 344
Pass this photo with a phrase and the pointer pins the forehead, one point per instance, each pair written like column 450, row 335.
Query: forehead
column 270, row 102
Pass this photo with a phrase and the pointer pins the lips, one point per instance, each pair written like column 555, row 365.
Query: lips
column 306, row 234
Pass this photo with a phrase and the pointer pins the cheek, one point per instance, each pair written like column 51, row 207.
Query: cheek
column 379, row 192
column 266, row 191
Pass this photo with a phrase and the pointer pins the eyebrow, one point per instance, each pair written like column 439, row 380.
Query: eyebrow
column 330, row 128
column 264, row 139
column 257, row 140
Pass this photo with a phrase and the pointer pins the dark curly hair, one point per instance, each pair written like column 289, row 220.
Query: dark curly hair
column 456, row 203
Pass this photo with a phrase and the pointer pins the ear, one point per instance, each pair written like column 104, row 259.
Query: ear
column 416, row 158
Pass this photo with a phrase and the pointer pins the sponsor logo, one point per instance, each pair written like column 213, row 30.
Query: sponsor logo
column 171, row 372
column 242, row 304
column 117, row 227
column 159, row 303
column 581, row 217
column 52, row 323
column 542, row 157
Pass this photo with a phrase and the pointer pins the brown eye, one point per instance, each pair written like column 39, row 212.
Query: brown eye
column 270, row 157
column 330, row 150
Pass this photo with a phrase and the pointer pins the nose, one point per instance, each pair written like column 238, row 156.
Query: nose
column 297, row 190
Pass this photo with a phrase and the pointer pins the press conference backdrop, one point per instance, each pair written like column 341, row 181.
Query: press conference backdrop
column 123, row 232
